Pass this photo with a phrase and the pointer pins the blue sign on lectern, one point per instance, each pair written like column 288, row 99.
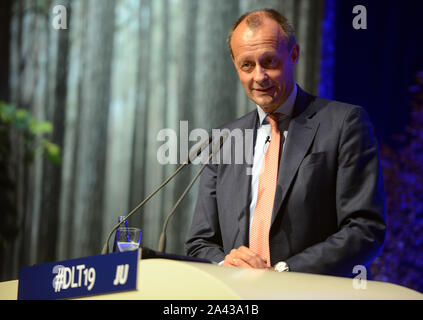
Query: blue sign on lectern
column 80, row 277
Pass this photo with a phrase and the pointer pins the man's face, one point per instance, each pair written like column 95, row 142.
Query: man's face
column 264, row 63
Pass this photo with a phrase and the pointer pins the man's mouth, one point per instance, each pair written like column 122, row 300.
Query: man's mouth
column 264, row 90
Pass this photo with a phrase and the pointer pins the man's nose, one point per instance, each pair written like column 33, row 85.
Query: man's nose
column 260, row 74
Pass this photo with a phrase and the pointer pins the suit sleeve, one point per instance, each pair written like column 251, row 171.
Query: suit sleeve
column 360, row 205
column 204, row 237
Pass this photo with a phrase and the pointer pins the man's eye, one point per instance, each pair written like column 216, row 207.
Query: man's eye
column 246, row 65
column 270, row 62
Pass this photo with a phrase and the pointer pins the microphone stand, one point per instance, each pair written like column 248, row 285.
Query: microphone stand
column 106, row 245
column 162, row 240
column 193, row 155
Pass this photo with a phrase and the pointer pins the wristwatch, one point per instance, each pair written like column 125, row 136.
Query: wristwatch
column 281, row 266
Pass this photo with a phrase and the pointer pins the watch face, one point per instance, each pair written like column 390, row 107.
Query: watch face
column 281, row 266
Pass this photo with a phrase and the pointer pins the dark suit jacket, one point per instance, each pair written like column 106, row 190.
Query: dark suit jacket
column 329, row 209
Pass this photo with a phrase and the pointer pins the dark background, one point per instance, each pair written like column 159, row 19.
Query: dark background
column 375, row 67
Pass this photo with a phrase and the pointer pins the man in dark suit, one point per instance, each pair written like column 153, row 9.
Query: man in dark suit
column 324, row 211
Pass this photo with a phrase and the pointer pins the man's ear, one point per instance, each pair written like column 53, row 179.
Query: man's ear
column 294, row 54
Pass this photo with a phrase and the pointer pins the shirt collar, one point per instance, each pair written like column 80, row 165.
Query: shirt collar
column 285, row 108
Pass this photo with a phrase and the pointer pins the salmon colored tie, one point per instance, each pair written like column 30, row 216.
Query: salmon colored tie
column 259, row 236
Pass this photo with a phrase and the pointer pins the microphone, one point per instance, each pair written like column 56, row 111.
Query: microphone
column 216, row 147
column 265, row 143
column 193, row 155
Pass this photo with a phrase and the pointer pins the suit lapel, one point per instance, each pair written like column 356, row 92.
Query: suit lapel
column 301, row 132
column 243, row 178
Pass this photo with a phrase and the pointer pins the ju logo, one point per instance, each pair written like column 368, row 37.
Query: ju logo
column 121, row 276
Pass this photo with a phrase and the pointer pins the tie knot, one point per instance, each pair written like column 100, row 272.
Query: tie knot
column 273, row 118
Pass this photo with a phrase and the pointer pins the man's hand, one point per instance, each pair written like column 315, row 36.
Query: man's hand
column 245, row 258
